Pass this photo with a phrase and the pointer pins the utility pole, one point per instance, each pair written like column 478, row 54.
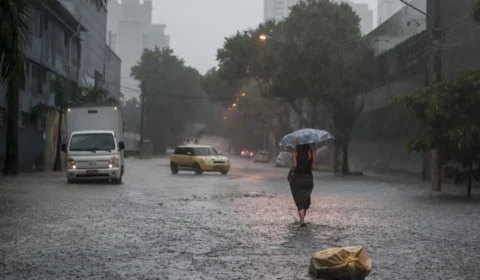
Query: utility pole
column 437, row 32
column 142, row 113
column 436, row 77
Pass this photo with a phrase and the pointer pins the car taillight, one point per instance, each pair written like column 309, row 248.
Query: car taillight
column 243, row 153
column 251, row 154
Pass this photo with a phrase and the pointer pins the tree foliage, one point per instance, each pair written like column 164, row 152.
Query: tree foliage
column 476, row 11
column 449, row 113
column 218, row 89
column 172, row 93
column 131, row 115
column 314, row 60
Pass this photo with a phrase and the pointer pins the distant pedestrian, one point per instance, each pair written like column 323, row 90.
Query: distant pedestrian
column 304, row 160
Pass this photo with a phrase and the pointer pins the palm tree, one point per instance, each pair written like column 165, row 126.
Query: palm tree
column 14, row 17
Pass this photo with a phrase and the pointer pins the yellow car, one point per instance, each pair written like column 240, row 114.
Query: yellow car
column 198, row 158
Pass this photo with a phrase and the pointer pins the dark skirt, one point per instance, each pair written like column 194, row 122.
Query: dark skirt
column 301, row 187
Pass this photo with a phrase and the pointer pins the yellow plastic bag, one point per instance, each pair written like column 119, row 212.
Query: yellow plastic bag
column 344, row 263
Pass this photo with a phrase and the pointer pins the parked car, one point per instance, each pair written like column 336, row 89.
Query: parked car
column 262, row 156
column 284, row 159
column 198, row 158
column 246, row 153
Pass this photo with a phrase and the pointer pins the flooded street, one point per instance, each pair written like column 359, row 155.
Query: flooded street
column 241, row 226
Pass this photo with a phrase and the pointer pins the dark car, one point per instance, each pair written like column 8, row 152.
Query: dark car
column 246, row 153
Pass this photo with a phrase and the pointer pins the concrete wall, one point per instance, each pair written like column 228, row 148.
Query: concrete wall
column 381, row 133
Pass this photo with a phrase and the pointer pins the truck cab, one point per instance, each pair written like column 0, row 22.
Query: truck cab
column 94, row 154
column 95, row 147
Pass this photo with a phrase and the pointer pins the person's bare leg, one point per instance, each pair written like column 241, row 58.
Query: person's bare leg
column 301, row 213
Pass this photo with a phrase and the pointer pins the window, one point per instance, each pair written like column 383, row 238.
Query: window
column 179, row 151
column 92, row 142
column 207, row 151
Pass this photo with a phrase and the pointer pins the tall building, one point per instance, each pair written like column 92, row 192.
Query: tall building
column 131, row 30
column 366, row 16
column 387, row 8
column 277, row 9
column 98, row 66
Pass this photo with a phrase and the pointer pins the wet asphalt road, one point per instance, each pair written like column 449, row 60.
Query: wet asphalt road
column 241, row 226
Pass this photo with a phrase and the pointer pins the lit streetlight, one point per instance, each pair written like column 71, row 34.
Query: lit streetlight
column 265, row 37
column 234, row 104
column 225, row 118
column 244, row 94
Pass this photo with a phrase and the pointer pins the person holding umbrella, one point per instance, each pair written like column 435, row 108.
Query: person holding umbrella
column 304, row 161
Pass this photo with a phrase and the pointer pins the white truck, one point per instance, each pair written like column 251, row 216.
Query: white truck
column 95, row 144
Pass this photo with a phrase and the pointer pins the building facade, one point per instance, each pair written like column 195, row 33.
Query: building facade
column 95, row 67
column 387, row 8
column 277, row 9
column 380, row 133
column 132, row 31
column 52, row 51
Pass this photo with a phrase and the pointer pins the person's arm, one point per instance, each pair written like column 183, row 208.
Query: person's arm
column 294, row 160
column 314, row 165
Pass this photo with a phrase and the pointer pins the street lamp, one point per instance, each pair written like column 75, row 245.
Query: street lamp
column 244, row 94
column 234, row 104
column 264, row 37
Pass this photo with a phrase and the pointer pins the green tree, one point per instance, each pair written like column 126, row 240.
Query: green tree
column 245, row 57
column 14, row 16
column 476, row 11
column 219, row 90
column 172, row 93
column 325, row 64
column 131, row 115
column 448, row 111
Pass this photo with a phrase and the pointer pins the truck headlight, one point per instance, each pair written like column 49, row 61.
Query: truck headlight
column 71, row 163
column 208, row 160
column 114, row 162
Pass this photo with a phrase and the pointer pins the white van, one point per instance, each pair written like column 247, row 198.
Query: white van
column 95, row 144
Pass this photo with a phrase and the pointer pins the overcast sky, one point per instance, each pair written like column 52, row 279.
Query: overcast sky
column 197, row 28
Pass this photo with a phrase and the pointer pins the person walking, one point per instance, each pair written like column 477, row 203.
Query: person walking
column 304, row 160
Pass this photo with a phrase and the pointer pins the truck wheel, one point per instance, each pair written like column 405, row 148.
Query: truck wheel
column 174, row 168
column 69, row 181
column 197, row 169
column 225, row 172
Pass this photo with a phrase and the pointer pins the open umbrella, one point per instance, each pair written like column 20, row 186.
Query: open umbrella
column 305, row 136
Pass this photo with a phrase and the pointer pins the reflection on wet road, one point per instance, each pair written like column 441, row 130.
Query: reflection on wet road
column 241, row 226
